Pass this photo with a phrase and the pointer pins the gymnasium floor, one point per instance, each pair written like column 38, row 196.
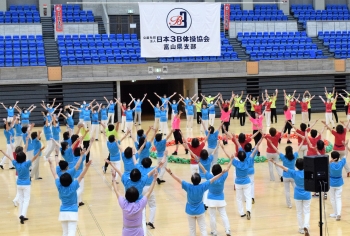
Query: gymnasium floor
column 101, row 214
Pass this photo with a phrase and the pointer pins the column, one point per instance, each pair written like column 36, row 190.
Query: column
column 209, row 0
column 319, row 4
column 348, row 3
column 284, row 6
column 247, row 5
column 3, row 6
column 190, row 87
column 46, row 3
column 117, row 84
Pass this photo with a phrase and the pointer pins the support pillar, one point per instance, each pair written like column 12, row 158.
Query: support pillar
column 3, row 5
column 284, row 6
column 320, row 4
column 117, row 84
column 47, row 4
column 247, row 5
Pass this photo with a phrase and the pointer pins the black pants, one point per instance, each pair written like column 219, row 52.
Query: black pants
column 226, row 125
column 86, row 144
column 252, row 114
column 309, row 110
column 199, row 114
column 241, row 118
column 234, row 113
column 273, row 114
column 257, row 137
column 108, row 158
column 346, row 110
column 288, row 127
column 335, row 115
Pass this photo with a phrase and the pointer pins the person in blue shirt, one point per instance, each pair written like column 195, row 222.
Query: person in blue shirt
column 48, row 136
column 142, row 145
column 194, row 206
column 215, row 198
column 213, row 138
column 50, row 107
column 205, row 117
column 336, row 165
column 174, row 108
column 129, row 159
column 25, row 114
column 156, row 109
column 56, row 129
column 8, row 130
column 35, row 141
column 288, row 160
column 111, row 110
column 67, row 191
column 163, row 121
column 302, row 197
column 189, row 114
column 128, row 114
column 115, row 151
column 10, row 111
column 69, row 119
column 104, row 115
column 95, row 128
column 27, row 141
column 138, row 109
column 211, row 107
column 187, row 101
column 23, row 181
column 160, row 145
column 63, row 166
column 165, row 101
column 18, row 129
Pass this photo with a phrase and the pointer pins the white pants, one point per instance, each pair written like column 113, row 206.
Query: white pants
column 252, row 192
column 194, row 168
column 156, row 123
column 87, row 125
column 211, row 119
column 245, row 190
column 128, row 125
column 163, row 126
column 205, row 122
column 95, row 128
column 105, row 123
column 23, row 192
column 303, row 207
column 9, row 119
column 30, row 155
column 215, row 155
column 342, row 155
column 110, row 117
column 293, row 116
column 329, row 118
column 137, row 115
column 223, row 214
column 151, row 201
column 335, row 196
column 189, row 123
column 287, row 182
column 201, row 223
column 81, row 120
column 305, row 118
column 9, row 152
column 50, row 147
column 35, row 168
column 162, row 169
column 167, row 114
column 273, row 156
column 123, row 125
column 117, row 165
column 80, row 191
column 303, row 151
column 69, row 228
column 18, row 141
column 268, row 118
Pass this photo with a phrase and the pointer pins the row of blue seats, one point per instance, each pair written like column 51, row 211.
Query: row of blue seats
column 23, row 62
column 100, row 36
column 301, row 6
column 336, row 6
column 99, row 45
column 265, row 6
column 225, row 57
column 286, row 55
column 258, row 18
column 23, row 57
column 266, row 35
column 327, row 41
column 335, row 47
column 232, row 6
column 280, row 48
column 77, row 19
column 338, row 35
column 338, row 54
column 70, row 6
column 101, row 60
column 20, row 14
column 255, row 13
column 226, row 48
column 320, row 13
column 252, row 42
column 23, row 52
column 15, row 37
column 20, row 20
column 21, row 47
column 76, row 13
column 323, row 18
column 94, row 52
column 97, row 40
column 25, row 41
column 22, row 7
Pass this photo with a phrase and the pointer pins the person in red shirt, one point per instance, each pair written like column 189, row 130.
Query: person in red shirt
column 301, row 134
column 292, row 108
column 271, row 154
column 315, row 143
column 328, row 113
column 267, row 104
column 196, row 149
column 305, row 110
column 258, row 108
column 339, row 140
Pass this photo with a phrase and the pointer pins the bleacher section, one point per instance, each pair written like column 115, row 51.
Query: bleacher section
column 73, row 13
column 260, row 13
column 227, row 54
column 22, row 51
column 338, row 42
column 279, row 46
column 20, row 14
column 304, row 13
column 99, row 49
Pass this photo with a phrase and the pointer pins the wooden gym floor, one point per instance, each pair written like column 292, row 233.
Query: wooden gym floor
column 101, row 214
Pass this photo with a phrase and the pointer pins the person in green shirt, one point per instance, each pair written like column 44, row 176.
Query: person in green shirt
column 241, row 111
column 252, row 101
column 308, row 97
column 346, row 100
column 273, row 99
column 329, row 95
column 236, row 101
column 198, row 105
column 86, row 138
column 334, row 107
column 209, row 98
column 288, row 97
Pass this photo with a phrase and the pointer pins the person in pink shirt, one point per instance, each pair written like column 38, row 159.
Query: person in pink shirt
column 257, row 125
column 225, row 118
column 175, row 126
column 328, row 113
column 288, row 126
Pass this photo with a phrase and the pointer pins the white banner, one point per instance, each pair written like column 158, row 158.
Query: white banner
column 180, row 29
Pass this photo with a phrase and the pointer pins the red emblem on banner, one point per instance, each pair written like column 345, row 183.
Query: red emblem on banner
column 226, row 16
column 58, row 18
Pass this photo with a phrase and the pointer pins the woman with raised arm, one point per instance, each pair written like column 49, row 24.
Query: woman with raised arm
column 189, row 114
column 10, row 111
column 302, row 197
column 237, row 98
column 315, row 143
column 143, row 146
column 67, row 191
column 198, row 104
column 288, row 119
column 175, row 126
column 194, row 206
column 23, row 181
column 156, row 109
column 111, row 110
column 225, row 118
column 347, row 107
column 174, row 108
column 328, row 114
column 334, row 107
column 292, row 107
column 160, row 145
column 95, row 124
column 25, row 114
column 252, row 101
column 69, row 119
column 273, row 99
column 138, row 109
column 213, row 138
column 165, row 100
column 242, row 111
column 257, row 125
column 307, row 97
column 128, row 114
column 304, row 103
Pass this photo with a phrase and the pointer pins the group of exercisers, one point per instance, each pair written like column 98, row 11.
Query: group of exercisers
column 206, row 189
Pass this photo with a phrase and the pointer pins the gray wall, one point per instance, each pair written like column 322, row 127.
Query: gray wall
column 65, row 1
column 301, row 2
column 22, row 2
column 343, row 2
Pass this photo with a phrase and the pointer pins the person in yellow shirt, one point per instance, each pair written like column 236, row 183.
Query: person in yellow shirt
column 308, row 97
column 346, row 100
column 273, row 99
column 86, row 140
column 209, row 98
column 334, row 107
column 236, row 101
column 253, row 101
column 241, row 111
column 198, row 105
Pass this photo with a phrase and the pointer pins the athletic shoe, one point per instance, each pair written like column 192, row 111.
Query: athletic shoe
column 104, row 170
column 333, row 215
column 316, row 195
column 243, row 215
column 22, row 219
column 205, row 207
column 1, row 166
column 151, row 225
column 281, row 179
column 81, row 204
column 228, row 233
column 325, row 196
column 174, row 153
column 348, row 175
column 258, row 154
column 338, row 218
column 301, row 231
column 290, row 207
column 213, row 234
column 289, row 142
column 162, row 181
column 253, row 201
column 96, row 139
column 187, row 153
column 306, row 231
column 12, row 168
column 248, row 215
column 123, row 131
column 39, row 178
column 15, row 203
column 158, row 181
